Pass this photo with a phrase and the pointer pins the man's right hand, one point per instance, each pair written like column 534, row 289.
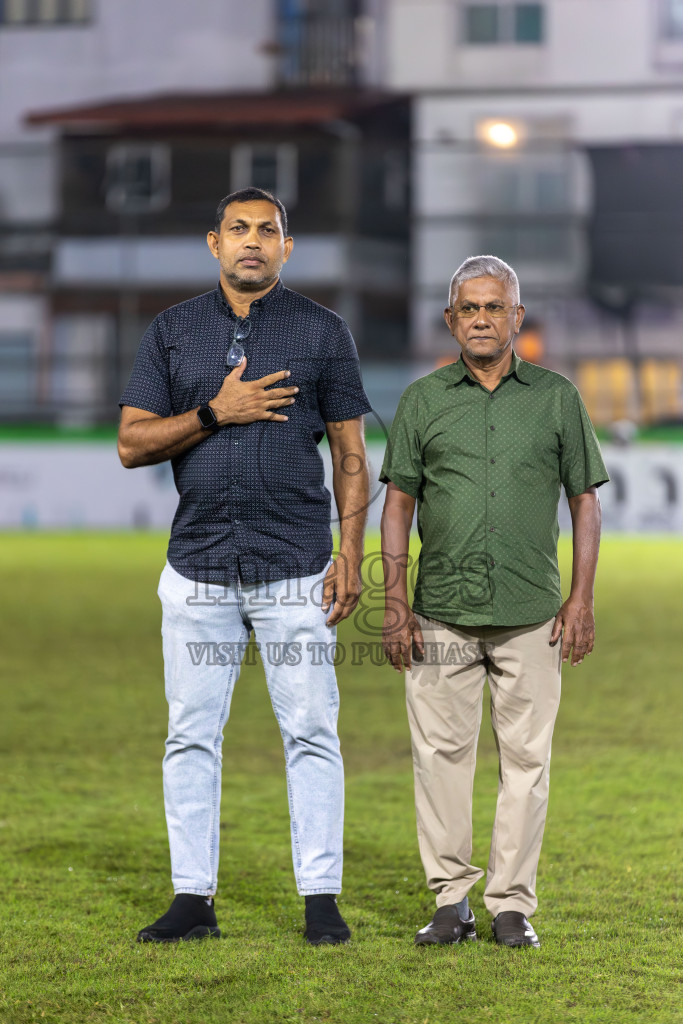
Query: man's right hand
column 245, row 401
column 401, row 630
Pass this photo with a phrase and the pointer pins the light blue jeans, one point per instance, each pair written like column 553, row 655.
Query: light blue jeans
column 205, row 631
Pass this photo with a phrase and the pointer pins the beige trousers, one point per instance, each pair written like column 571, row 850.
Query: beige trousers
column 444, row 696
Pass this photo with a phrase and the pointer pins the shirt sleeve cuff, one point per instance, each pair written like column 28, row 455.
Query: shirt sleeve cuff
column 146, row 405
column 598, row 482
column 347, row 413
column 410, row 487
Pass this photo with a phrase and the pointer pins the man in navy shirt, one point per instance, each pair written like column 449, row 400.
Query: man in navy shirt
column 237, row 387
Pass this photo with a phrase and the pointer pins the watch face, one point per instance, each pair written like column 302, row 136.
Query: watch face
column 206, row 417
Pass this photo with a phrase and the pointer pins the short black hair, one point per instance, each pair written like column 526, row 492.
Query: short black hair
column 250, row 195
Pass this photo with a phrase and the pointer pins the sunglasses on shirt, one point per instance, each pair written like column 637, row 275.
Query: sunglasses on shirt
column 236, row 351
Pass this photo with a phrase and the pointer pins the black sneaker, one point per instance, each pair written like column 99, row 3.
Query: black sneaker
column 511, row 928
column 188, row 917
column 447, row 926
column 324, row 924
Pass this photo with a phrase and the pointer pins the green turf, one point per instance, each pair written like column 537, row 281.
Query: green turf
column 107, row 432
column 83, row 844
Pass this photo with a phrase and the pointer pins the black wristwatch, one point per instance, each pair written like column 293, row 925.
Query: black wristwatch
column 207, row 418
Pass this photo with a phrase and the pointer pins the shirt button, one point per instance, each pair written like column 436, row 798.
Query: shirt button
column 235, row 442
column 493, row 494
column 492, row 427
column 236, row 522
column 492, row 529
column 492, row 563
column 492, row 461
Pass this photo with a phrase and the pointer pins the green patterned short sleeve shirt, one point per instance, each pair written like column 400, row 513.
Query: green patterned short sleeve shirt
column 486, row 468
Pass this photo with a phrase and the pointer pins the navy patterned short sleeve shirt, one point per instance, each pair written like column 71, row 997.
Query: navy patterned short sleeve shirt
column 253, row 502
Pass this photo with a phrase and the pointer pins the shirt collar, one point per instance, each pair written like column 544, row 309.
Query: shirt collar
column 519, row 369
column 277, row 289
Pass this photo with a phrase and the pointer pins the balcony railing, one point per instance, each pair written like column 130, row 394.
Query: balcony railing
column 318, row 50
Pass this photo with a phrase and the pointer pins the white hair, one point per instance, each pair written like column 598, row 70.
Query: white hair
column 484, row 266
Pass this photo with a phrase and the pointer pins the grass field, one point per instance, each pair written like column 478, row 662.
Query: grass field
column 83, row 848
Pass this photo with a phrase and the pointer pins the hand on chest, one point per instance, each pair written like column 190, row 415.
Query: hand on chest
column 197, row 369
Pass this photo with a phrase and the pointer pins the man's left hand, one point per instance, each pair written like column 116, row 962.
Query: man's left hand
column 576, row 624
column 341, row 588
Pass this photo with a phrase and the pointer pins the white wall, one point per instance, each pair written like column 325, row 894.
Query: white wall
column 587, row 42
column 602, row 117
column 43, row 487
column 134, row 47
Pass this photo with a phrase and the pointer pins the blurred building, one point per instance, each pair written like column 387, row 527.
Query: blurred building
column 55, row 53
column 140, row 181
column 125, row 128
column 531, row 131
column 534, row 126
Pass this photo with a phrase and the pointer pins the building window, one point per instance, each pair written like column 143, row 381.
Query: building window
column 138, row 179
column 271, row 167
column 671, row 19
column 512, row 189
column 17, row 369
column 528, row 23
column 320, row 41
column 529, row 243
column 481, row 23
column 503, row 22
column 395, row 183
column 44, row 12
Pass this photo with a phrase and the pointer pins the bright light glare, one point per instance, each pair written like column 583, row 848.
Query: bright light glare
column 501, row 134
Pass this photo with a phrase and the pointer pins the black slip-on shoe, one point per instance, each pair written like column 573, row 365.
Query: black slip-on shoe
column 324, row 924
column 511, row 928
column 447, row 926
column 188, row 917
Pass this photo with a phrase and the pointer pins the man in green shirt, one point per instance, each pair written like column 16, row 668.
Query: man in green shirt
column 483, row 446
